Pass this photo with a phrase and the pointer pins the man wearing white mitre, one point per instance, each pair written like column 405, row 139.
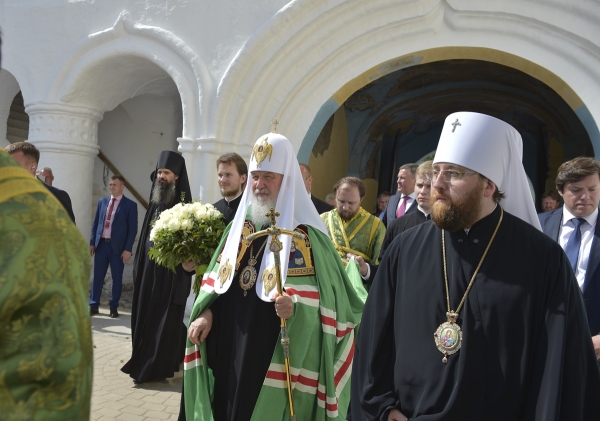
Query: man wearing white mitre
column 234, row 363
column 476, row 315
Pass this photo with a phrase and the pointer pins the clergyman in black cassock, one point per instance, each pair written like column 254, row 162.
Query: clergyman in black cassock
column 399, row 225
column 228, row 208
column 526, row 352
column 525, row 348
column 159, row 298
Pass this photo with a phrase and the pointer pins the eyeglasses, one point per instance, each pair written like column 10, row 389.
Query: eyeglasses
column 447, row 175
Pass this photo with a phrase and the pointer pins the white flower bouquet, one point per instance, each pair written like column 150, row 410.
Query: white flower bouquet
column 186, row 232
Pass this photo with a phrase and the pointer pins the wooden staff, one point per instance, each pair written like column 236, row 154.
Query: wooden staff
column 276, row 246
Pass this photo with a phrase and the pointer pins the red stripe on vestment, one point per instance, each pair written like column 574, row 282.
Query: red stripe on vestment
column 208, row 281
column 342, row 333
column 329, row 321
column 344, row 368
column 278, row 375
column 306, row 294
column 330, row 406
column 191, row 357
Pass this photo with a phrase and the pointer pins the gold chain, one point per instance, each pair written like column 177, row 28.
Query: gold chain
column 259, row 250
column 476, row 270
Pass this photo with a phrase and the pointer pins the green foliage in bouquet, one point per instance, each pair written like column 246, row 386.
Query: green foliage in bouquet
column 186, row 232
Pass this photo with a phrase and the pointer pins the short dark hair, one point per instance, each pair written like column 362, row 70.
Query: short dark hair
column 576, row 170
column 552, row 194
column 498, row 195
column 118, row 177
column 412, row 169
column 28, row 149
column 383, row 193
column 353, row 181
column 239, row 162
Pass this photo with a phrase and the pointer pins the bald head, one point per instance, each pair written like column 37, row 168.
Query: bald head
column 306, row 176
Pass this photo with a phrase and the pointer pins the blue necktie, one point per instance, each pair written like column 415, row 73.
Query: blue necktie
column 572, row 249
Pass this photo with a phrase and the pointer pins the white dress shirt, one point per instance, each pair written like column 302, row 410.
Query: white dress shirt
column 409, row 202
column 587, row 235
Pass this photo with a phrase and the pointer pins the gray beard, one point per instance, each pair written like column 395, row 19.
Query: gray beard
column 258, row 211
column 164, row 194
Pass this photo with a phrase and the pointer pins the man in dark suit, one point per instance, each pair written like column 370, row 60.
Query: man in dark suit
column 28, row 156
column 421, row 214
column 321, row 206
column 402, row 202
column 113, row 233
column 382, row 201
column 233, row 174
column 574, row 226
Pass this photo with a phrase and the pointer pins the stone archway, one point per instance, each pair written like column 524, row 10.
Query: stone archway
column 398, row 118
column 103, row 71
column 311, row 57
column 9, row 90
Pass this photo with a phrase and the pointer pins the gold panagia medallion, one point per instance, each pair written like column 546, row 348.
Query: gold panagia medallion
column 224, row 272
column 248, row 278
column 269, row 279
column 261, row 150
column 448, row 336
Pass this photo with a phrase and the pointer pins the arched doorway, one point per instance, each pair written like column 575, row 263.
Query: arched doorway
column 398, row 118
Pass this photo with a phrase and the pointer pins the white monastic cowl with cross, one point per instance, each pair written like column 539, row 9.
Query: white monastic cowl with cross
column 274, row 153
column 494, row 149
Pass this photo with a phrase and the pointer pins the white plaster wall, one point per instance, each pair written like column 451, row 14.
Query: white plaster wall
column 215, row 30
column 238, row 64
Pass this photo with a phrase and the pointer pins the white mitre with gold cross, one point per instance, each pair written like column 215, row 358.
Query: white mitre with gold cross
column 274, row 153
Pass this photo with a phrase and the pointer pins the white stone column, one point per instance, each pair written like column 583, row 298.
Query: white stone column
column 67, row 137
column 200, row 159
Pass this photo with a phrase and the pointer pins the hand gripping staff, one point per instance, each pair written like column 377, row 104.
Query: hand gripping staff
column 276, row 247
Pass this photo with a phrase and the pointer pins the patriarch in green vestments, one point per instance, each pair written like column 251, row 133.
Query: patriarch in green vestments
column 234, row 365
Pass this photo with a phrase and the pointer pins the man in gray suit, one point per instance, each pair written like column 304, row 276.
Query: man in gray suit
column 402, row 202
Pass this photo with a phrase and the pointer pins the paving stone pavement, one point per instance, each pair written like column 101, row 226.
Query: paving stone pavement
column 114, row 395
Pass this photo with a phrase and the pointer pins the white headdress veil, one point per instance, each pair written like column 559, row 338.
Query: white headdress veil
column 494, row 149
column 274, row 153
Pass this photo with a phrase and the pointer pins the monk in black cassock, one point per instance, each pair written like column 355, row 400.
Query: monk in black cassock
column 519, row 348
column 157, row 328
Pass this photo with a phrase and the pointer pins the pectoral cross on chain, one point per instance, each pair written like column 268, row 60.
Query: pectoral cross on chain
column 272, row 214
column 456, row 123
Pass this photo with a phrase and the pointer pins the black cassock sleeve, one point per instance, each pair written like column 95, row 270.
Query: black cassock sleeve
column 373, row 391
column 565, row 379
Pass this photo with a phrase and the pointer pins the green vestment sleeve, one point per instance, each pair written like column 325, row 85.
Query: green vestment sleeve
column 45, row 336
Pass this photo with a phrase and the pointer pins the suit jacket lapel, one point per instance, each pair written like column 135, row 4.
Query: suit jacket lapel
column 393, row 207
column 553, row 225
column 103, row 209
column 594, row 258
column 121, row 203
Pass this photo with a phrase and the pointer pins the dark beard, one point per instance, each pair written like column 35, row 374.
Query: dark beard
column 164, row 193
column 347, row 215
column 459, row 213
